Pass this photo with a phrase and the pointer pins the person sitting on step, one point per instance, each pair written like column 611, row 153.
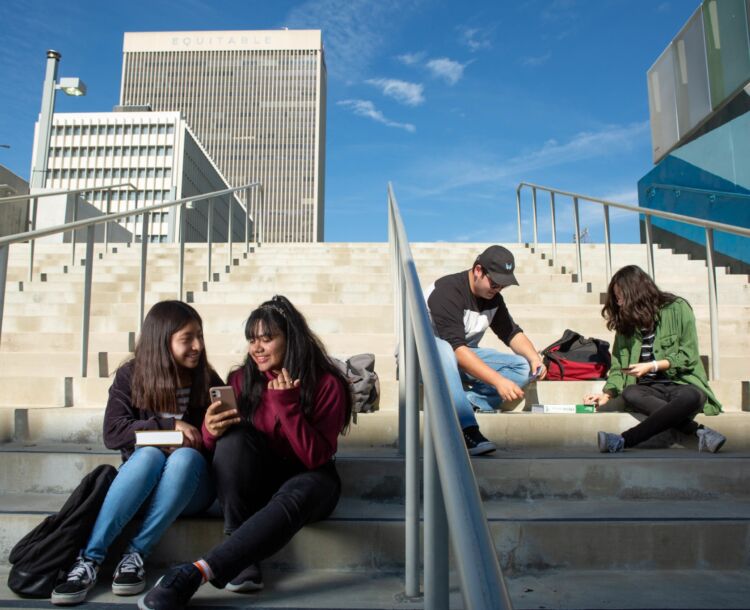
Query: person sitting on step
column 274, row 471
column 656, row 365
column 164, row 387
column 462, row 306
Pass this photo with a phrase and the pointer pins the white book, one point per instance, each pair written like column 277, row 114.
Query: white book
column 563, row 409
column 158, row 438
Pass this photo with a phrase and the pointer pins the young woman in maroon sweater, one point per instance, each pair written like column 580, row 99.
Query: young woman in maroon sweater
column 274, row 470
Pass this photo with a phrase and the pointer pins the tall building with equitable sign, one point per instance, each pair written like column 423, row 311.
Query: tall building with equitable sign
column 257, row 102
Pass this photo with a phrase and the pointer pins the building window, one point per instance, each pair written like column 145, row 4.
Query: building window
column 110, row 130
column 127, row 130
column 136, row 130
column 77, row 130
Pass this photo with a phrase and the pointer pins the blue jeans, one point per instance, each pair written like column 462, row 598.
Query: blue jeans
column 479, row 395
column 164, row 486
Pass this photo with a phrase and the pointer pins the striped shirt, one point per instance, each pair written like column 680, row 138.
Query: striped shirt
column 183, row 400
column 647, row 355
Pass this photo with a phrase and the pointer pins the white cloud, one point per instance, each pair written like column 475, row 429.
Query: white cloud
column 475, row 39
column 534, row 61
column 411, row 59
column 367, row 109
column 411, row 94
column 447, row 69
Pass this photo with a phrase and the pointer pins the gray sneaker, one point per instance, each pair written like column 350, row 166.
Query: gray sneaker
column 81, row 579
column 130, row 576
column 710, row 440
column 610, row 443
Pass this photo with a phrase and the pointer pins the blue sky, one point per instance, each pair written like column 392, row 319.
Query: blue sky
column 453, row 102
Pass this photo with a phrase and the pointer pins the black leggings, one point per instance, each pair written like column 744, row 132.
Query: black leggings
column 265, row 500
column 667, row 405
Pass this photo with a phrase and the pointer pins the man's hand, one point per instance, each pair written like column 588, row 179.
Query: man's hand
column 508, row 390
column 191, row 435
column 537, row 364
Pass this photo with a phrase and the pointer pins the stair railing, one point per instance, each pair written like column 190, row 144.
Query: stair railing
column 452, row 504
column 90, row 226
column 708, row 226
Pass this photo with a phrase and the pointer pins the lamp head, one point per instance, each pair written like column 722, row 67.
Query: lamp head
column 72, row 86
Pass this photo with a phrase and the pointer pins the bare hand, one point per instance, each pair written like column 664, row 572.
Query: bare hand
column 538, row 365
column 639, row 370
column 597, row 399
column 217, row 423
column 508, row 390
column 191, row 436
column 283, row 382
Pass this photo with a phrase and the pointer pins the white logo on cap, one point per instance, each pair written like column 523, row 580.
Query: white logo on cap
column 509, row 266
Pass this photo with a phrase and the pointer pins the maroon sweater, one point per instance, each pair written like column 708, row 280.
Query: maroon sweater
column 290, row 434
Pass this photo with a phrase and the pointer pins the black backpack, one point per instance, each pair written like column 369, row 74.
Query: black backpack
column 41, row 557
column 575, row 357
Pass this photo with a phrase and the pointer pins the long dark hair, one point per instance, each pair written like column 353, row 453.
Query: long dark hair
column 305, row 357
column 642, row 301
column 156, row 375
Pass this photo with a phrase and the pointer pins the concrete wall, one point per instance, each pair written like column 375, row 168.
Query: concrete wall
column 13, row 216
column 58, row 209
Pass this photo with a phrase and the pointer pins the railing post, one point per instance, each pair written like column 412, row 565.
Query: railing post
column 650, row 248
column 713, row 305
column 412, row 461
column 518, row 212
column 436, row 589
column 32, row 242
column 88, row 274
column 533, row 211
column 247, row 220
column 135, row 217
column 607, row 245
column 73, row 236
column 210, row 230
column 402, row 372
column 183, row 226
column 579, row 261
column 554, row 225
column 107, row 224
column 3, row 277
column 229, row 230
column 144, row 258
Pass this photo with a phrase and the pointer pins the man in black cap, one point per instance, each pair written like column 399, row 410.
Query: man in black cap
column 462, row 307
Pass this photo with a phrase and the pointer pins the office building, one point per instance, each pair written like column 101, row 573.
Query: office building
column 13, row 216
column 156, row 153
column 256, row 100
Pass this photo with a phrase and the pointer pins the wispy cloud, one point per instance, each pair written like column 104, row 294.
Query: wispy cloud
column 535, row 61
column 354, row 31
column 476, row 39
column 411, row 59
column 663, row 7
column 446, row 69
column 366, row 108
column 411, row 94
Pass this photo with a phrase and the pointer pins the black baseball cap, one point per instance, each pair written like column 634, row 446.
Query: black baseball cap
column 500, row 264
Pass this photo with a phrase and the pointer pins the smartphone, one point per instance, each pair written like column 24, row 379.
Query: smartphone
column 225, row 394
column 535, row 374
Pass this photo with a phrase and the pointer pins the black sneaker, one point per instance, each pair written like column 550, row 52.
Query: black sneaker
column 81, row 579
column 130, row 577
column 476, row 443
column 173, row 590
column 247, row 581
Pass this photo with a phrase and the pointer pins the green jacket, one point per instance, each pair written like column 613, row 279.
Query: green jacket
column 676, row 340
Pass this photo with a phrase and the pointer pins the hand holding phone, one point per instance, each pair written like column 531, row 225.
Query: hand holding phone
column 225, row 394
column 535, row 375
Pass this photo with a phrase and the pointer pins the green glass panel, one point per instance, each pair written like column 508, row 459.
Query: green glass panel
column 727, row 47
column 691, row 77
column 661, row 104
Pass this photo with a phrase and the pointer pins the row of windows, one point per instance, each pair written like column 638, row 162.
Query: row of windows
column 110, row 151
column 110, row 130
column 117, row 195
column 106, row 173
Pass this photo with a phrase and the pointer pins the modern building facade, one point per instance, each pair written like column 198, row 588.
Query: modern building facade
column 257, row 102
column 13, row 216
column 154, row 156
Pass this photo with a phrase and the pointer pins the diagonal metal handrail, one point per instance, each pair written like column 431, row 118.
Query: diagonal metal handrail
column 451, row 492
column 90, row 225
column 709, row 226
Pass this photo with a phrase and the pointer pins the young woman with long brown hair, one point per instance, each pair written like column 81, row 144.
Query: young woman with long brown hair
column 164, row 387
column 656, row 365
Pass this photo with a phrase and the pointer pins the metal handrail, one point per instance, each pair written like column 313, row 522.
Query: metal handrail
column 15, row 198
column 451, row 495
column 708, row 225
column 90, row 226
column 691, row 189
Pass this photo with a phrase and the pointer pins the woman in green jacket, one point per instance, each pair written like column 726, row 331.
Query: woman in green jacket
column 656, row 365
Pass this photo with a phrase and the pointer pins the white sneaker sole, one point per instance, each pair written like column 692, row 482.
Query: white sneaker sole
column 483, row 448
column 245, row 587
column 70, row 599
column 133, row 589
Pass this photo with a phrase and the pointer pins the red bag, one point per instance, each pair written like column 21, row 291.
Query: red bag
column 575, row 358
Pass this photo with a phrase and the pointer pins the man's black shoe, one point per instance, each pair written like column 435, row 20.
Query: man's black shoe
column 173, row 590
column 476, row 443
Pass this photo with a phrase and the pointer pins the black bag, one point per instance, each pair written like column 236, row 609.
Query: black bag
column 41, row 557
column 573, row 357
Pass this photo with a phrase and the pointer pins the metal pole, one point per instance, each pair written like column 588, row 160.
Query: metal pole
column 73, row 235
column 247, row 220
column 107, row 224
column 607, row 245
column 135, row 217
column 88, row 274
column 32, row 242
column 650, row 248
column 183, row 226
column 412, row 462
column 435, row 526
column 3, row 277
column 579, row 261
column 554, row 225
column 229, row 229
column 210, row 228
column 402, row 372
column 144, row 258
column 533, row 210
column 713, row 305
column 518, row 212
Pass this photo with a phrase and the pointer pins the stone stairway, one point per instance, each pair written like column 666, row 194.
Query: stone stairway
column 573, row 528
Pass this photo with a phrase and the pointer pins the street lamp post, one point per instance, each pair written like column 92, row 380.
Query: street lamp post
column 69, row 86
